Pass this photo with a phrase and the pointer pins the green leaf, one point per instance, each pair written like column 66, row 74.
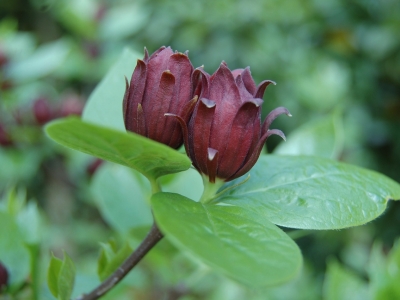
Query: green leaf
column 66, row 278
column 121, row 195
column 384, row 272
column 150, row 158
column 342, row 284
column 243, row 246
column 104, row 106
column 13, row 252
column 322, row 137
column 52, row 274
column 61, row 277
column 110, row 259
column 311, row 193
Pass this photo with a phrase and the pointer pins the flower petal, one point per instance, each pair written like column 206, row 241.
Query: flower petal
column 249, row 82
column 272, row 116
column 212, row 164
column 199, row 132
column 224, row 91
column 158, row 106
column 181, row 67
column 261, row 88
column 240, row 139
column 136, row 90
column 254, row 156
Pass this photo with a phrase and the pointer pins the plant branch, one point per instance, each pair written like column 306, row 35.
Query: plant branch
column 152, row 238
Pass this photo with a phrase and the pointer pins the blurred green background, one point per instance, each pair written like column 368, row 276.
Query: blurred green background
column 337, row 68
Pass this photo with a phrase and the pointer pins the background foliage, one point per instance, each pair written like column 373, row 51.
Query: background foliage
column 337, row 65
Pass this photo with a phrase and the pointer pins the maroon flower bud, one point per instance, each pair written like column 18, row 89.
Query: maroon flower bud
column 224, row 137
column 3, row 59
column 42, row 111
column 160, row 84
column 71, row 105
column 3, row 277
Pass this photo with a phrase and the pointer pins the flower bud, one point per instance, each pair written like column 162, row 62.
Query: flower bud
column 224, row 137
column 160, row 83
column 5, row 138
column 3, row 277
column 42, row 111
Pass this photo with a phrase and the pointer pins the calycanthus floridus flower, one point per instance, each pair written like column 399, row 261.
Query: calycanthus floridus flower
column 224, row 136
column 160, row 83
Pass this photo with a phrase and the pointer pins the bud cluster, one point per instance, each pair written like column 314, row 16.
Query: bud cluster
column 217, row 117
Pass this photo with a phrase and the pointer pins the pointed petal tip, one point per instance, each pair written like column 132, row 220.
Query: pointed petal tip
column 211, row 153
column 276, row 132
column 208, row 103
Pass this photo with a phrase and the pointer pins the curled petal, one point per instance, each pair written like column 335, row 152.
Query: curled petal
column 125, row 102
column 256, row 153
column 272, row 116
column 241, row 139
column 200, row 83
column 212, row 164
column 249, row 81
column 261, row 88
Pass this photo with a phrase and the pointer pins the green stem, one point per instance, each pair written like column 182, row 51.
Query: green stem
column 210, row 189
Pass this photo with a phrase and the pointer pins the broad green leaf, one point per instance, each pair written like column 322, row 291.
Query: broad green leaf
column 342, row 284
column 311, row 193
column 243, row 246
column 104, row 106
column 52, row 274
column 66, row 278
column 111, row 259
column 150, row 158
column 121, row 195
column 322, row 137
column 14, row 255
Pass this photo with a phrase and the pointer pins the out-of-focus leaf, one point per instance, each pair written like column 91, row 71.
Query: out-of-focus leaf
column 52, row 274
column 41, row 63
column 384, row 272
column 121, row 195
column 104, row 106
column 342, row 284
column 311, row 192
column 242, row 245
column 110, row 259
column 13, row 252
column 30, row 223
column 122, row 21
column 188, row 183
column 61, row 277
column 150, row 158
column 323, row 137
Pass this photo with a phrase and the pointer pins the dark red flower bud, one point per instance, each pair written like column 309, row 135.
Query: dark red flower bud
column 71, row 105
column 42, row 111
column 3, row 59
column 224, row 137
column 161, row 83
column 3, row 277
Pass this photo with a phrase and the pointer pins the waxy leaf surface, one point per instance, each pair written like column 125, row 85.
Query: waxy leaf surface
column 230, row 239
column 150, row 158
column 311, row 193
